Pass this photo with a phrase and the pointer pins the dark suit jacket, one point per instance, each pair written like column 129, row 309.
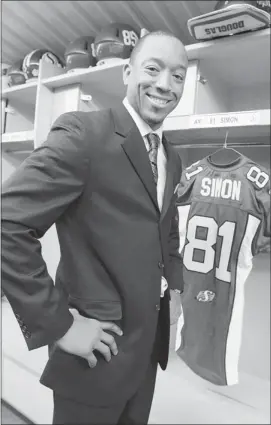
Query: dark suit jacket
column 93, row 179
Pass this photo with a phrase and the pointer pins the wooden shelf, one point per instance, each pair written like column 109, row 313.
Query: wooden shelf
column 105, row 81
column 101, row 82
column 239, row 60
column 227, row 46
column 105, row 85
column 24, row 93
column 252, row 47
column 242, row 126
column 18, row 141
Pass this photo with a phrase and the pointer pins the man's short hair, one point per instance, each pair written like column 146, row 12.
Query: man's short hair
column 142, row 40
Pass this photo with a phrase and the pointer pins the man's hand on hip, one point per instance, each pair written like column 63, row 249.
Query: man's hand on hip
column 86, row 335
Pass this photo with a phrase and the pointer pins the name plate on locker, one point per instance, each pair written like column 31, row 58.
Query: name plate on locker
column 232, row 119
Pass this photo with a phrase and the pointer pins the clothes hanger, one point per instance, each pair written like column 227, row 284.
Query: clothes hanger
column 228, row 155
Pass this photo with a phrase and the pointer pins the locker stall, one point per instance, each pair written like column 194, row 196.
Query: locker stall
column 227, row 94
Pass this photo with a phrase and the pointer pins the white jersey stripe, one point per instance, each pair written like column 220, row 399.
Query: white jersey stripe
column 244, row 266
column 179, row 328
column 183, row 212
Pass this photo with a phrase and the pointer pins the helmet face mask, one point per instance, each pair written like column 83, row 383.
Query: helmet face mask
column 109, row 48
column 16, row 74
column 79, row 54
column 111, row 52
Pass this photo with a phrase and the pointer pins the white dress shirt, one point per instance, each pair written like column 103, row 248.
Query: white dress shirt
column 144, row 130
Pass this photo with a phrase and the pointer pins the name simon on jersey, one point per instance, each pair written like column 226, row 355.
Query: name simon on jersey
column 221, row 188
column 225, row 28
column 227, row 188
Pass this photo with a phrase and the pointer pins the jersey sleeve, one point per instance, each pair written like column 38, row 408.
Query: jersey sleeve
column 184, row 199
column 185, row 188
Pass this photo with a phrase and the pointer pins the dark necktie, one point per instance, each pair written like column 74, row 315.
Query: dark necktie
column 153, row 141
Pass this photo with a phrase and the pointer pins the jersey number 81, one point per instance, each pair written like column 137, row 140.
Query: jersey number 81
column 226, row 231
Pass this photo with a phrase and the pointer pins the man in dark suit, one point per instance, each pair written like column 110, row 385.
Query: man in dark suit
column 107, row 182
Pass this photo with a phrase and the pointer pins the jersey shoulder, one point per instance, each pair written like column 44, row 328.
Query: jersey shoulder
column 256, row 175
column 190, row 173
column 188, row 178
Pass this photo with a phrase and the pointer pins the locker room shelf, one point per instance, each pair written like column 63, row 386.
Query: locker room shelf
column 18, row 141
column 104, row 82
column 24, row 93
column 248, row 54
column 251, row 46
column 101, row 81
column 221, row 47
column 243, row 126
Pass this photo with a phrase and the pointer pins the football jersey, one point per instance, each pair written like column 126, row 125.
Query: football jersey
column 224, row 215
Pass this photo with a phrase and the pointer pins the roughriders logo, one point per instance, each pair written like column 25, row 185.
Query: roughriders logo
column 205, row 296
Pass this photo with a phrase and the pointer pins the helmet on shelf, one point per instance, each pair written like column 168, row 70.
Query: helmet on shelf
column 31, row 62
column 262, row 5
column 4, row 69
column 16, row 74
column 114, row 43
column 230, row 18
column 4, row 75
column 79, row 54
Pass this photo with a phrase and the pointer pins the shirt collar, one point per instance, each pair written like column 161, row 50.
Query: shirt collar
column 142, row 126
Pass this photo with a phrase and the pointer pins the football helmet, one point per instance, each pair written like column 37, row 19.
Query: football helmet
column 16, row 74
column 31, row 62
column 4, row 75
column 229, row 18
column 79, row 54
column 114, row 43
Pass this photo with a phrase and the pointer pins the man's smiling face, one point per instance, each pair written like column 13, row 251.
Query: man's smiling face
column 155, row 78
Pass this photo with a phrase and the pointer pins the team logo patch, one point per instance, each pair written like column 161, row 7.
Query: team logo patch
column 205, row 296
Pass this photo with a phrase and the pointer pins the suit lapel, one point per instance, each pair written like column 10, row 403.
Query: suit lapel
column 134, row 147
column 168, row 192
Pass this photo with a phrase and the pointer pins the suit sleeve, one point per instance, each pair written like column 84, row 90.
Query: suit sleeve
column 33, row 199
column 175, row 260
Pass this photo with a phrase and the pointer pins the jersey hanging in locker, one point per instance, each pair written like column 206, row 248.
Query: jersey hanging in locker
column 224, row 216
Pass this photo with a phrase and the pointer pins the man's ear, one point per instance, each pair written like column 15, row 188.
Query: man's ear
column 126, row 73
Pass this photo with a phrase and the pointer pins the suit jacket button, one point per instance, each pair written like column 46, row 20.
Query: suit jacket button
column 157, row 307
column 160, row 265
